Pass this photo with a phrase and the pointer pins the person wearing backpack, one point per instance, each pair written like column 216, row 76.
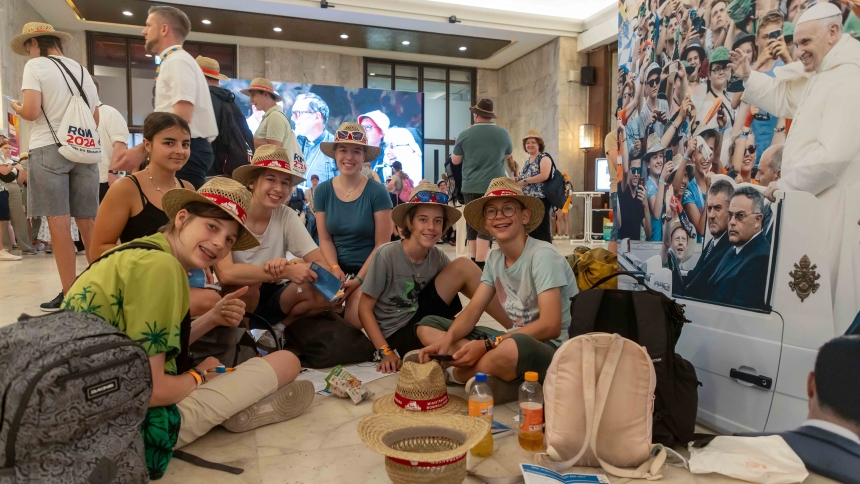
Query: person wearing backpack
column 232, row 127
column 58, row 188
column 400, row 184
column 537, row 170
column 142, row 290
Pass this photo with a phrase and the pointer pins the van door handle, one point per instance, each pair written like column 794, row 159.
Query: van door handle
column 757, row 380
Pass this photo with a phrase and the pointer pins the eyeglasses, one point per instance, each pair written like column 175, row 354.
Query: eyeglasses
column 750, row 149
column 428, row 196
column 653, row 82
column 635, row 170
column 628, row 94
column 368, row 127
column 491, row 213
column 297, row 114
column 718, row 69
column 343, row 135
column 741, row 216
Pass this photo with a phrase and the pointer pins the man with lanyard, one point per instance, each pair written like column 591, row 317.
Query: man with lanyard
column 180, row 88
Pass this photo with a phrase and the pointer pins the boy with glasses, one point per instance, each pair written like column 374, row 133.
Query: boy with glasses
column 310, row 115
column 534, row 284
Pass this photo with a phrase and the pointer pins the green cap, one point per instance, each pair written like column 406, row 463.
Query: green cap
column 787, row 29
column 720, row 54
column 852, row 26
column 740, row 10
column 742, row 38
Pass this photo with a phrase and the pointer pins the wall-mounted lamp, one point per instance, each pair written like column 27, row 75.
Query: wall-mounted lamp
column 586, row 137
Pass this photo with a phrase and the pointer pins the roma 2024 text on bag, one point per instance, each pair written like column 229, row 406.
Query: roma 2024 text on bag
column 78, row 134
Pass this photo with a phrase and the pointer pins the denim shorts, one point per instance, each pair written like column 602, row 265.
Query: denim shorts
column 57, row 186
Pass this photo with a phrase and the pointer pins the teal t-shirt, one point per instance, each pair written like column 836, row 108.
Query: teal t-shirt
column 483, row 147
column 539, row 268
column 351, row 224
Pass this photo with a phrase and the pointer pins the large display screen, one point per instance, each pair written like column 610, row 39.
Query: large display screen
column 393, row 121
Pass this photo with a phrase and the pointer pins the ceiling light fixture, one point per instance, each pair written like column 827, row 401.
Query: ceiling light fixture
column 372, row 73
column 344, row 36
column 207, row 22
column 127, row 13
column 405, row 42
column 463, row 48
column 277, row 29
column 147, row 55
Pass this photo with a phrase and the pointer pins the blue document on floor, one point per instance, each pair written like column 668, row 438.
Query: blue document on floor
column 533, row 474
column 327, row 284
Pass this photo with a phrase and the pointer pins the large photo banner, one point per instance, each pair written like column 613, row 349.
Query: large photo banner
column 695, row 159
column 393, row 121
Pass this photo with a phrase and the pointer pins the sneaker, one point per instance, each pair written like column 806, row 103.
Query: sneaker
column 503, row 391
column 32, row 251
column 53, row 305
column 286, row 403
column 40, row 247
column 5, row 255
column 49, row 249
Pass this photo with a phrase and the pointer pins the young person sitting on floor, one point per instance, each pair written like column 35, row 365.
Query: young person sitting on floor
column 279, row 290
column 534, row 284
column 144, row 293
column 410, row 278
column 132, row 207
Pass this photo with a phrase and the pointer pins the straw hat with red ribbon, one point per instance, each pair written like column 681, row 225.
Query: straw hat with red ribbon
column 211, row 68
column 420, row 389
column 273, row 158
column 36, row 29
column 263, row 85
column 353, row 134
column 424, row 194
column 226, row 194
column 503, row 187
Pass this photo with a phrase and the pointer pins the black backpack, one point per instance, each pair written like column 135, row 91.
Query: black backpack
column 230, row 147
column 654, row 321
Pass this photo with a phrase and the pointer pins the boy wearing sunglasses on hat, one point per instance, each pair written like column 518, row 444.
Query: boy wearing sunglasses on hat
column 410, row 278
column 534, row 284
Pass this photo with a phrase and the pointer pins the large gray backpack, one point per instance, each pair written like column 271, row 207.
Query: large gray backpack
column 74, row 393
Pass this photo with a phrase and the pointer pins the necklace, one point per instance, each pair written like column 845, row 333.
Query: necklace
column 417, row 272
column 153, row 181
column 348, row 191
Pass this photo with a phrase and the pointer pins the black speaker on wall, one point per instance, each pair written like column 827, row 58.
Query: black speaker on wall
column 588, row 76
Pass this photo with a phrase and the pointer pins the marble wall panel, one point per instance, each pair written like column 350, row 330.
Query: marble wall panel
column 305, row 67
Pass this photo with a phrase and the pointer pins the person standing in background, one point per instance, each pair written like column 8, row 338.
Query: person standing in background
column 61, row 189
column 222, row 99
column 537, row 169
column 17, row 217
column 181, row 89
column 274, row 128
column 486, row 147
column 113, row 135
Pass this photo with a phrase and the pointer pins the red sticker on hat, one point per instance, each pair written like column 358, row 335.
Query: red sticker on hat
column 420, row 405
column 228, row 205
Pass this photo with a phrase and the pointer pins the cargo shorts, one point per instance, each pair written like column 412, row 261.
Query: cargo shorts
column 58, row 187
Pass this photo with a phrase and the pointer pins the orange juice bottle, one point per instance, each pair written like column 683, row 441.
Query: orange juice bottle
column 481, row 406
column 531, row 413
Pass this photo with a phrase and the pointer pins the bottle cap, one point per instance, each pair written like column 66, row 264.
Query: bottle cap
column 531, row 376
column 480, row 377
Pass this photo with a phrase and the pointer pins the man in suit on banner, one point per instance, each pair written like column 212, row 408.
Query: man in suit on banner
column 741, row 276
column 696, row 283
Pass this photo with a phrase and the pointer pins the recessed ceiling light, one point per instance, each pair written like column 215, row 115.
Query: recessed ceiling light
column 277, row 29
column 127, row 13
column 405, row 42
column 463, row 48
column 148, row 55
column 344, row 36
column 372, row 73
column 207, row 22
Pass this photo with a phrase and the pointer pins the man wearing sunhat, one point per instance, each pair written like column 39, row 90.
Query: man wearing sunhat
column 822, row 152
column 483, row 149
column 274, row 128
column 181, row 89
column 376, row 124
column 222, row 99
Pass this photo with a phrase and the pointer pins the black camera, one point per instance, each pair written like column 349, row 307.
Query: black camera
column 698, row 22
column 774, row 34
column 736, row 84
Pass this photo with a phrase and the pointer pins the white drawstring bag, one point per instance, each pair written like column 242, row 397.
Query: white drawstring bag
column 766, row 460
column 78, row 139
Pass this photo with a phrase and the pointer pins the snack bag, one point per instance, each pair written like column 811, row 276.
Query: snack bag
column 343, row 384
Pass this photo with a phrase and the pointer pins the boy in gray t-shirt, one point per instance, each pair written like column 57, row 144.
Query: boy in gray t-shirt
column 411, row 278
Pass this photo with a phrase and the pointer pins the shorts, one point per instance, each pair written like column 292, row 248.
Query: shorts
column 471, row 233
column 60, row 187
column 613, row 204
column 199, row 163
column 269, row 306
column 429, row 304
column 534, row 355
column 103, row 188
column 216, row 401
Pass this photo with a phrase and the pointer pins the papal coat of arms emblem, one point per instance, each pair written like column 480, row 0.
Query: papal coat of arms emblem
column 804, row 277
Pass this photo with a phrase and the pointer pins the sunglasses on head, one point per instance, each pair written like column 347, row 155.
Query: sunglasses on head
column 343, row 135
column 428, row 196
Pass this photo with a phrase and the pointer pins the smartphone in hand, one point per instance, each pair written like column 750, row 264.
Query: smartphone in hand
column 441, row 357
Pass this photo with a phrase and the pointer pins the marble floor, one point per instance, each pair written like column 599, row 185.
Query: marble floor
column 320, row 446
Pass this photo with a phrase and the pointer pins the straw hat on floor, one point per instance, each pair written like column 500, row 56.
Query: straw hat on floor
column 420, row 390
column 503, row 187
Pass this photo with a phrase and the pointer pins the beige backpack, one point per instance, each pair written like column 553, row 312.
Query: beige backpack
column 599, row 394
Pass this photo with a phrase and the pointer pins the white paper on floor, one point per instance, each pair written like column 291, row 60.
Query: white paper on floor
column 366, row 372
column 315, row 377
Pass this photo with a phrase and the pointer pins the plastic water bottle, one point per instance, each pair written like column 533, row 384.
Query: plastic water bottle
column 531, row 413
column 481, row 406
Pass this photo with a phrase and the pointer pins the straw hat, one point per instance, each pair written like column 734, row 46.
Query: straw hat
column 350, row 133
column 654, row 145
column 503, row 187
column 484, row 107
column 274, row 158
column 36, row 29
column 420, row 390
column 398, row 215
column 211, row 68
column 222, row 192
column 423, row 448
column 533, row 134
column 264, row 85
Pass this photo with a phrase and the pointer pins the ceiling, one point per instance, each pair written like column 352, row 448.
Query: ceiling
column 570, row 9
column 493, row 37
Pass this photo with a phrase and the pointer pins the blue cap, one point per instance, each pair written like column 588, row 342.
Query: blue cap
column 480, row 377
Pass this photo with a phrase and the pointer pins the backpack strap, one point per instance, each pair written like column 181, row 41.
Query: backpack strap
column 197, row 461
column 79, row 85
